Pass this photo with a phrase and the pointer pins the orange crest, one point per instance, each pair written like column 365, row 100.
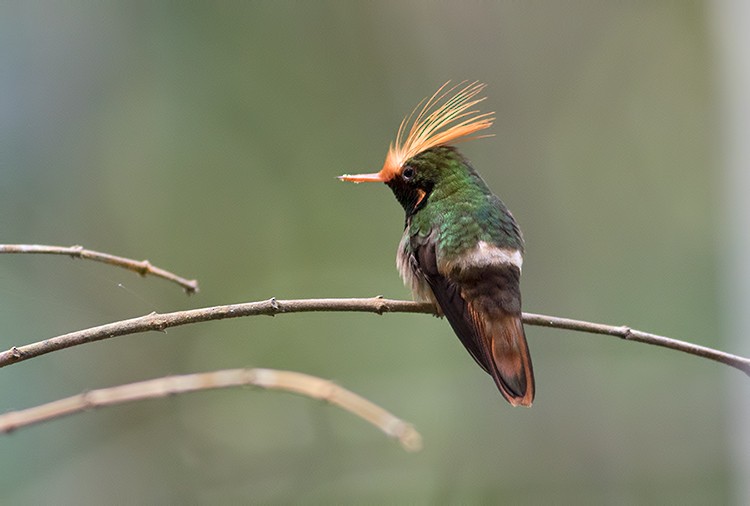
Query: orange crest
column 444, row 118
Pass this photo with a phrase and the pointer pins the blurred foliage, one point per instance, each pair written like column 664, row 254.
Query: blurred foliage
column 205, row 136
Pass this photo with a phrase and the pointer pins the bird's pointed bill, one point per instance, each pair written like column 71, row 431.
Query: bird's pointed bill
column 363, row 178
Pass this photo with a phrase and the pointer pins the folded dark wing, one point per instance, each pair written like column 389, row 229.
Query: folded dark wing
column 483, row 306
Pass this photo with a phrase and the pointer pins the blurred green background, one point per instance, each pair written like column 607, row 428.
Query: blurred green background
column 206, row 137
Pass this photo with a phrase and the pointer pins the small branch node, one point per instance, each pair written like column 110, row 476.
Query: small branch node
column 76, row 251
column 274, row 305
column 144, row 267
column 15, row 352
column 191, row 286
column 381, row 306
column 158, row 322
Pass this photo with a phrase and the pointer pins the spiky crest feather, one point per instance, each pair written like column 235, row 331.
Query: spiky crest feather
column 440, row 121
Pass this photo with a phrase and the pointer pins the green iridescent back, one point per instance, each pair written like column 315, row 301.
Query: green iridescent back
column 460, row 206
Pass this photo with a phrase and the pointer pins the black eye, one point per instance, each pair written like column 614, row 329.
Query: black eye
column 407, row 173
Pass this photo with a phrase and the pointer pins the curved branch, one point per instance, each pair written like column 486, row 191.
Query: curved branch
column 271, row 379
column 142, row 267
column 379, row 305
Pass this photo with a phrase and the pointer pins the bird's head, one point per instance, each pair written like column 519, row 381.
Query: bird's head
column 422, row 158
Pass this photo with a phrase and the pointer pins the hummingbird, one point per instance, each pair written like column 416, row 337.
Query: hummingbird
column 461, row 249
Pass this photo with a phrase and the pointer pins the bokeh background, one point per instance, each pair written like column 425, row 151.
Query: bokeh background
column 205, row 136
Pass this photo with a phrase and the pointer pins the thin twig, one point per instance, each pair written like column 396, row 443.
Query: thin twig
column 628, row 334
column 379, row 305
column 272, row 379
column 142, row 267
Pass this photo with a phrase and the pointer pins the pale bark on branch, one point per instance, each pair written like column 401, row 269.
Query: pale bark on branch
column 379, row 305
column 271, row 379
column 142, row 267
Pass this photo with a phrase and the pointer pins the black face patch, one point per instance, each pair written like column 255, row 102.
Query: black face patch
column 411, row 194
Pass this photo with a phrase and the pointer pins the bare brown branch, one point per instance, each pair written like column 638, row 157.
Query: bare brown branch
column 272, row 379
column 628, row 334
column 379, row 305
column 143, row 267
